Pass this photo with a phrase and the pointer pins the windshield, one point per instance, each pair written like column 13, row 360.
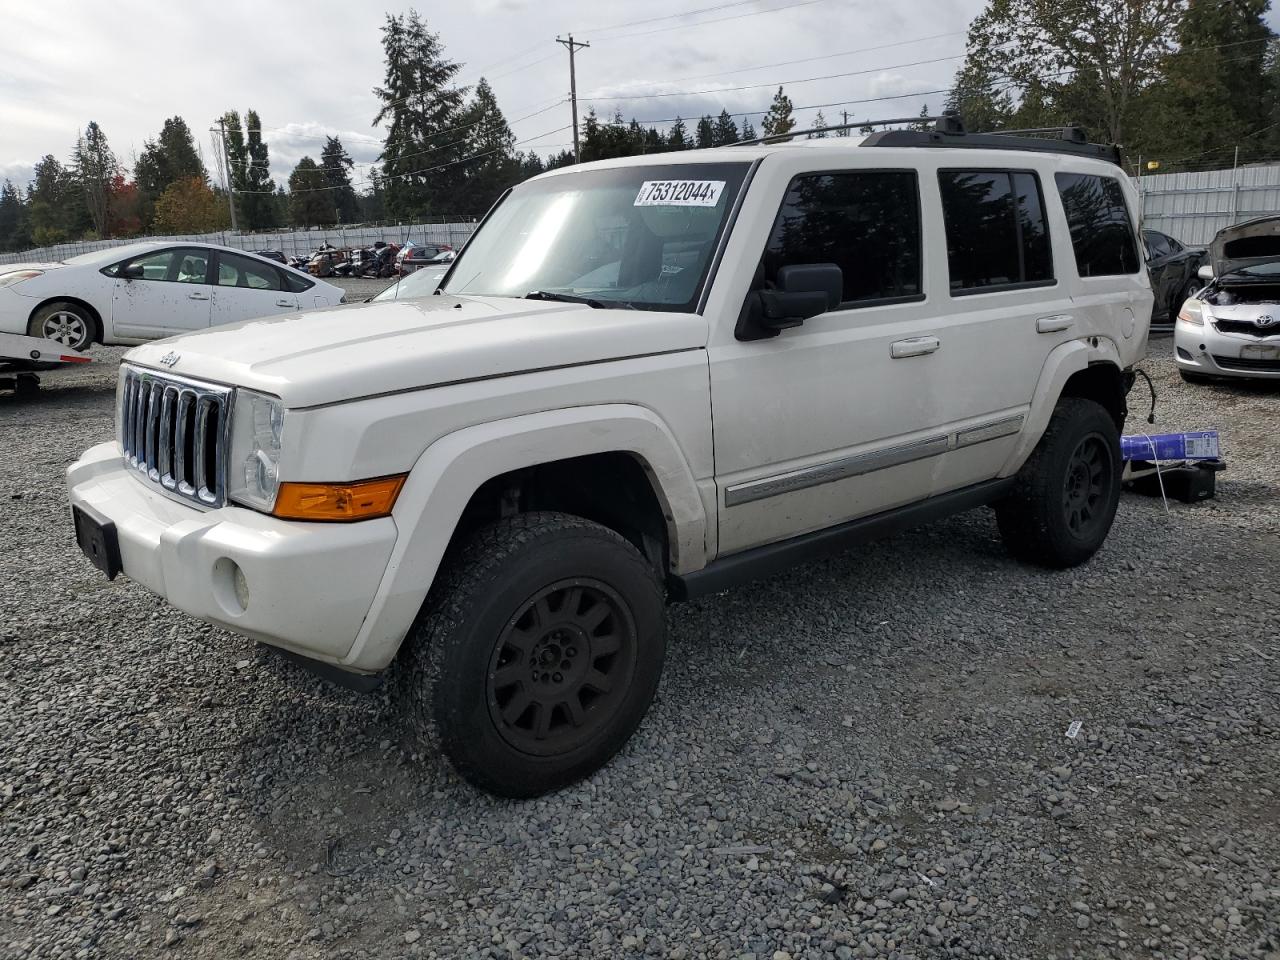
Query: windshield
column 420, row 283
column 640, row 236
column 1268, row 272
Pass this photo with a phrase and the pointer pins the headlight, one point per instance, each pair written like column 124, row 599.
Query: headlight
column 1192, row 312
column 257, row 430
column 17, row 276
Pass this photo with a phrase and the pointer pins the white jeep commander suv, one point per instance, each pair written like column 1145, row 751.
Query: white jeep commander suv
column 642, row 378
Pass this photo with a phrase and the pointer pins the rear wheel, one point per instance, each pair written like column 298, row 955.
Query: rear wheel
column 541, row 652
column 68, row 324
column 1065, row 496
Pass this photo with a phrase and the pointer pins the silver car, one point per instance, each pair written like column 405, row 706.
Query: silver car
column 1231, row 328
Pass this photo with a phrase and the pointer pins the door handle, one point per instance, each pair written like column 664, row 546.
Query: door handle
column 285, row 303
column 1059, row 321
column 913, row 347
column 197, row 296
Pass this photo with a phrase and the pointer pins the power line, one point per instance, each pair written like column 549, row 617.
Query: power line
column 670, row 16
column 704, row 23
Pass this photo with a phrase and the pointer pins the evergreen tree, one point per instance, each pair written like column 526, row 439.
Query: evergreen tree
column 1216, row 92
column 49, row 201
column 678, row 136
column 311, row 201
column 95, row 167
column 170, row 157
column 337, row 165
column 748, row 130
column 13, row 232
column 980, row 103
column 492, row 144
column 924, row 123
column 706, row 133
column 252, row 181
column 420, row 108
column 726, row 131
column 819, row 128
column 779, row 120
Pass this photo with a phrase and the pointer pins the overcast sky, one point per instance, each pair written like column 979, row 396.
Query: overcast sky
column 309, row 68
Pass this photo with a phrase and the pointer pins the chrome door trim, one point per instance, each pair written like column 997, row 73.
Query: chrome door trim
column 834, row 470
column 861, row 463
column 989, row 431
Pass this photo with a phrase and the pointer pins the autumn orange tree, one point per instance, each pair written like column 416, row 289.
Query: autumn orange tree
column 189, row 206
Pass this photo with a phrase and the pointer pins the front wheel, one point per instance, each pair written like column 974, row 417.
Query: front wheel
column 1065, row 496
column 67, row 323
column 540, row 653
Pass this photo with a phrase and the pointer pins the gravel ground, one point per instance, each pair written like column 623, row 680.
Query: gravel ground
column 865, row 757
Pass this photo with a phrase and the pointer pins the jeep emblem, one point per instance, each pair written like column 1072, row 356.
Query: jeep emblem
column 172, row 357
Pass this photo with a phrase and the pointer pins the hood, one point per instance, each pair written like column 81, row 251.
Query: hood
column 13, row 267
column 1245, row 245
column 359, row 350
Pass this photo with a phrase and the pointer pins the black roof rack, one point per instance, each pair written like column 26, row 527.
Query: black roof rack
column 948, row 131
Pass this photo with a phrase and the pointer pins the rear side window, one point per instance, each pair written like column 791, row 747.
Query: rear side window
column 1101, row 231
column 295, row 283
column 867, row 223
column 996, row 234
column 235, row 271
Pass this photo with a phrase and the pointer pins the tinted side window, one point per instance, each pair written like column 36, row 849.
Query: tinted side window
column 297, row 284
column 1101, row 231
column 996, row 233
column 1157, row 245
column 868, row 224
column 234, row 271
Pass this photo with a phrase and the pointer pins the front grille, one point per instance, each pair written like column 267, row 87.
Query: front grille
column 174, row 432
column 1247, row 363
column 1246, row 327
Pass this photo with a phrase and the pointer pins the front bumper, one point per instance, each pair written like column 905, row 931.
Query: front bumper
column 309, row 585
column 1203, row 349
column 15, row 311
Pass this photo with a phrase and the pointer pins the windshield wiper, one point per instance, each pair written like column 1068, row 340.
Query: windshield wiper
column 591, row 302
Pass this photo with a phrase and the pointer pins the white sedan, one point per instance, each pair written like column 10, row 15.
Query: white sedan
column 145, row 291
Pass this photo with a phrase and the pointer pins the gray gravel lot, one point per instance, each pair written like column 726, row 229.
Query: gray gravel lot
column 864, row 757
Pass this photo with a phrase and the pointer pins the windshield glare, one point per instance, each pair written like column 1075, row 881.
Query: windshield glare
column 640, row 236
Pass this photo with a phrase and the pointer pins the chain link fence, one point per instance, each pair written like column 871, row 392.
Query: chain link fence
column 292, row 243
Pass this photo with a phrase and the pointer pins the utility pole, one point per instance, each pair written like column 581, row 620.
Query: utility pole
column 571, row 45
column 226, row 163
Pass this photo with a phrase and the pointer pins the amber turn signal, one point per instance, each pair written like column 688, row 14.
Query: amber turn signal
column 364, row 500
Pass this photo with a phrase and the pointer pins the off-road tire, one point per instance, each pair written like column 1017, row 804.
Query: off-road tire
column 1052, row 517
column 70, row 324
column 465, row 644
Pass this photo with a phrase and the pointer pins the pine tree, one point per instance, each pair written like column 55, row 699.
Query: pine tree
column 705, row 133
column 748, row 131
column 257, row 205
column 49, row 201
column 337, row 165
column 492, row 145
column 310, row 199
column 1216, row 92
column 819, row 128
column 726, row 131
column 678, row 136
column 95, row 167
column 924, row 123
column 779, row 120
column 170, row 157
column 980, row 103
column 12, row 215
column 420, row 108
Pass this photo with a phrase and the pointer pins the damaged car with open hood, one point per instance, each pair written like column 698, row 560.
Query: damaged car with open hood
column 1231, row 328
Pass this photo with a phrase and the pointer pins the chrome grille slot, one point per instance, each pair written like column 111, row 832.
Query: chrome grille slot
column 174, row 432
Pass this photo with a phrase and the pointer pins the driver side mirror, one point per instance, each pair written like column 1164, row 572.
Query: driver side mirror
column 1205, row 272
column 803, row 290
column 131, row 271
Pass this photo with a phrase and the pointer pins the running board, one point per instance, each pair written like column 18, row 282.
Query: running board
column 773, row 558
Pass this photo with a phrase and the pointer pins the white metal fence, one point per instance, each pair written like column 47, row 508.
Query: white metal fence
column 292, row 243
column 1192, row 207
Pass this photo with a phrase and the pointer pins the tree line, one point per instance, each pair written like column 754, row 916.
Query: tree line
column 1182, row 82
